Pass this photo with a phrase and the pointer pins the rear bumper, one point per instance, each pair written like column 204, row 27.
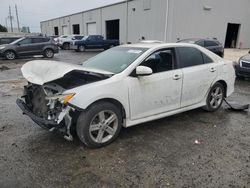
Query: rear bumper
column 46, row 124
column 244, row 72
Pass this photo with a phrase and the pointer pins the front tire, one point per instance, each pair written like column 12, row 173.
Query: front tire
column 215, row 98
column 10, row 55
column 99, row 125
column 48, row 53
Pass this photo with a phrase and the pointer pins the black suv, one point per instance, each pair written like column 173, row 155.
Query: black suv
column 28, row 46
column 210, row 44
column 8, row 40
column 242, row 68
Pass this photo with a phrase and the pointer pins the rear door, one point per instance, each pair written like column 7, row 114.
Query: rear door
column 199, row 72
column 37, row 45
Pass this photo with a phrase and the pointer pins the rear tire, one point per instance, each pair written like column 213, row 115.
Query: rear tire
column 66, row 46
column 48, row 53
column 99, row 125
column 81, row 48
column 215, row 98
column 10, row 55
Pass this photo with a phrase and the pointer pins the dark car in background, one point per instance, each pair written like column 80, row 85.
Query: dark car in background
column 8, row 40
column 211, row 44
column 242, row 68
column 29, row 46
column 94, row 42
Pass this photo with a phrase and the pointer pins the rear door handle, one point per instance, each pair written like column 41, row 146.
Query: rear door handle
column 212, row 69
column 177, row 77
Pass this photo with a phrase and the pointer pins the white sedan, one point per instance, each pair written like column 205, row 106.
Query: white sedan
column 124, row 86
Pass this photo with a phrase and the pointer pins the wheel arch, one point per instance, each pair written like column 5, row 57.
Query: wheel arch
column 48, row 47
column 11, row 50
column 113, row 101
column 223, row 82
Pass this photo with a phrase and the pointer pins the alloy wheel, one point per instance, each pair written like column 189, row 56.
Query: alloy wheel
column 103, row 126
column 216, row 97
column 49, row 53
column 10, row 55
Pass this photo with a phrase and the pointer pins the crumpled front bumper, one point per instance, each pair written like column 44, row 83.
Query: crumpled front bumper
column 46, row 124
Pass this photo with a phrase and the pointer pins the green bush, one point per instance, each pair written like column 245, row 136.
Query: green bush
column 3, row 29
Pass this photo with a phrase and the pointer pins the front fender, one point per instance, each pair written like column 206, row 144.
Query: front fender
column 88, row 94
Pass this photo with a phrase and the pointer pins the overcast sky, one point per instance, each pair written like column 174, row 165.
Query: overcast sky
column 31, row 12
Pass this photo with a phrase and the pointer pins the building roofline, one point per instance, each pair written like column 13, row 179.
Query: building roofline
column 124, row 1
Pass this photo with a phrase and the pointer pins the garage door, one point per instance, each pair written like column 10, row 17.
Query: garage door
column 91, row 29
column 65, row 30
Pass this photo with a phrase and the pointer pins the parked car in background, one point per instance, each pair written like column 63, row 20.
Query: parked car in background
column 64, row 43
column 94, row 42
column 28, row 46
column 242, row 68
column 8, row 40
column 210, row 44
column 124, row 86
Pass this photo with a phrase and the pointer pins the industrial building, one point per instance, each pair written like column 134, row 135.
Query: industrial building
column 165, row 20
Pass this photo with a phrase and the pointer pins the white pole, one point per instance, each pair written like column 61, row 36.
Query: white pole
column 166, row 24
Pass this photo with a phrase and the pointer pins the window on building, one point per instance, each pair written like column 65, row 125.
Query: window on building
column 146, row 4
column 76, row 29
column 161, row 61
column 189, row 56
column 56, row 31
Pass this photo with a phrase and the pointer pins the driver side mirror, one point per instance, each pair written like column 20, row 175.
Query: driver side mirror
column 143, row 71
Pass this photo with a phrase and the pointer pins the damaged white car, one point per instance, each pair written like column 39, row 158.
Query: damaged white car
column 124, row 86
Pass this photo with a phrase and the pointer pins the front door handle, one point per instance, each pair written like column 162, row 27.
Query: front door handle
column 177, row 77
column 212, row 69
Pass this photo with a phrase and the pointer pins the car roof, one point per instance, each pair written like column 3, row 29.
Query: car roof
column 198, row 39
column 158, row 45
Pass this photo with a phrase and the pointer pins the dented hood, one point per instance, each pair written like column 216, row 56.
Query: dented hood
column 42, row 71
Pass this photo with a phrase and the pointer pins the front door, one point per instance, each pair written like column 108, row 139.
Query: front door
column 24, row 47
column 159, row 92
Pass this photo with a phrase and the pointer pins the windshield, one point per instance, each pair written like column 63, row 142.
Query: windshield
column 115, row 60
column 18, row 40
column 84, row 38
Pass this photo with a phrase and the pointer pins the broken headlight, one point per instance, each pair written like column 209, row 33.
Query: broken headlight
column 62, row 98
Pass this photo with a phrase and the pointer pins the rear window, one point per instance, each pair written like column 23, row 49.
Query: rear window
column 189, row 56
column 211, row 43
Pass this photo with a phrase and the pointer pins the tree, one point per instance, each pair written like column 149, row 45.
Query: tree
column 3, row 29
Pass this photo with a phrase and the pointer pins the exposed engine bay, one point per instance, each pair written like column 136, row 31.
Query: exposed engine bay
column 50, row 102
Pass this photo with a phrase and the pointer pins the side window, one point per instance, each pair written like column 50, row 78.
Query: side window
column 189, row 56
column 210, row 43
column 206, row 59
column 37, row 40
column 46, row 39
column 5, row 41
column 26, row 41
column 161, row 61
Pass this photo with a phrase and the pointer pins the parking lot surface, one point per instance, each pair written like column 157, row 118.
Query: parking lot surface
column 192, row 149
